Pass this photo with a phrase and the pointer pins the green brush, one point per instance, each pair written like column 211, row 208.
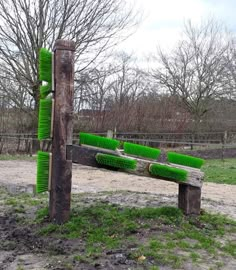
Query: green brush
column 46, row 71
column 45, row 65
column 141, row 150
column 98, row 141
column 45, row 90
column 116, row 162
column 43, row 171
column 168, row 172
column 185, row 160
column 45, row 121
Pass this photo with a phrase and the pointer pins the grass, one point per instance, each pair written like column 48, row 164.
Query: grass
column 220, row 171
column 159, row 237
column 163, row 236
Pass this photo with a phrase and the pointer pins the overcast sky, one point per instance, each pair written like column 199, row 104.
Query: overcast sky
column 163, row 21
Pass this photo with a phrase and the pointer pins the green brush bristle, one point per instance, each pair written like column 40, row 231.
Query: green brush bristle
column 45, row 90
column 98, row 141
column 43, row 160
column 185, row 160
column 168, row 172
column 45, row 65
column 116, row 162
column 141, row 150
column 45, row 115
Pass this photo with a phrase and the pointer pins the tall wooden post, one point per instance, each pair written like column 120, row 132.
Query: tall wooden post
column 60, row 193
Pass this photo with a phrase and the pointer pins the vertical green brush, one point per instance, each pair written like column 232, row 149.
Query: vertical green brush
column 46, row 108
column 43, row 172
column 45, row 121
column 46, row 72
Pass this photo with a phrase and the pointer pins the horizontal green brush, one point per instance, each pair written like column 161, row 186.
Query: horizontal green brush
column 185, row 160
column 45, row 65
column 141, row 150
column 168, row 172
column 43, row 171
column 98, row 141
column 116, row 162
column 45, row 118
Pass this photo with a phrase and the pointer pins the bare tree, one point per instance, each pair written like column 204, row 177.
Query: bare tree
column 230, row 64
column 195, row 70
column 28, row 25
column 109, row 95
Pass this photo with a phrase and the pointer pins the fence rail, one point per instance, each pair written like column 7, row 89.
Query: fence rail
column 28, row 143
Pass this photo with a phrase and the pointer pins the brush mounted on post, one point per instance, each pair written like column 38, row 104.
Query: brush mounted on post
column 54, row 170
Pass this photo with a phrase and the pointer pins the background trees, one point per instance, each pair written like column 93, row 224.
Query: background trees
column 28, row 25
column 191, row 88
column 195, row 71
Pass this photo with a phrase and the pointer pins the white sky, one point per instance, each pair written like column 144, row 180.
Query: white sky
column 163, row 21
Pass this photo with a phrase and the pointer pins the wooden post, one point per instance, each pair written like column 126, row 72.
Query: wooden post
column 60, row 193
column 189, row 199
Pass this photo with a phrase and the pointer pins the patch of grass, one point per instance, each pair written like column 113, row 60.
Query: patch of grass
column 194, row 256
column 220, row 171
column 154, row 268
column 22, row 199
column 11, row 201
column 17, row 157
column 42, row 214
column 230, row 248
column 104, row 227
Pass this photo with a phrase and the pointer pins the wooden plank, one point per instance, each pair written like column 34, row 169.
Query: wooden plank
column 60, row 193
column 86, row 156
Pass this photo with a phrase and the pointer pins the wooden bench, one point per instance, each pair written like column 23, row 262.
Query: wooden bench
column 189, row 195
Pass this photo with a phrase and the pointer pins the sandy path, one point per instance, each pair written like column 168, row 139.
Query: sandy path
column 216, row 197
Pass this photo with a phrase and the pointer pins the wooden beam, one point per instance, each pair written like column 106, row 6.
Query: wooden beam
column 189, row 199
column 85, row 155
column 60, row 193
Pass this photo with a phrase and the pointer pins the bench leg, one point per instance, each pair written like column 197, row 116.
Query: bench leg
column 189, row 199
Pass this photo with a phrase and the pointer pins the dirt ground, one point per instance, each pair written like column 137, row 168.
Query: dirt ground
column 215, row 197
column 28, row 251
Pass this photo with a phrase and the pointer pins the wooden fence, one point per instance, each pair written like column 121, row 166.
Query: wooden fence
column 13, row 143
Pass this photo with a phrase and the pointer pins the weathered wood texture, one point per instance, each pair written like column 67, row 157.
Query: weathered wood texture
column 189, row 199
column 60, row 193
column 86, row 155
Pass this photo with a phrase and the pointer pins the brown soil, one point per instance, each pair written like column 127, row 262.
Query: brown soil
column 21, row 248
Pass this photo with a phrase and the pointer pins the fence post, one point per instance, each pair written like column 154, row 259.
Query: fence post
column 60, row 193
column 192, row 140
column 110, row 134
